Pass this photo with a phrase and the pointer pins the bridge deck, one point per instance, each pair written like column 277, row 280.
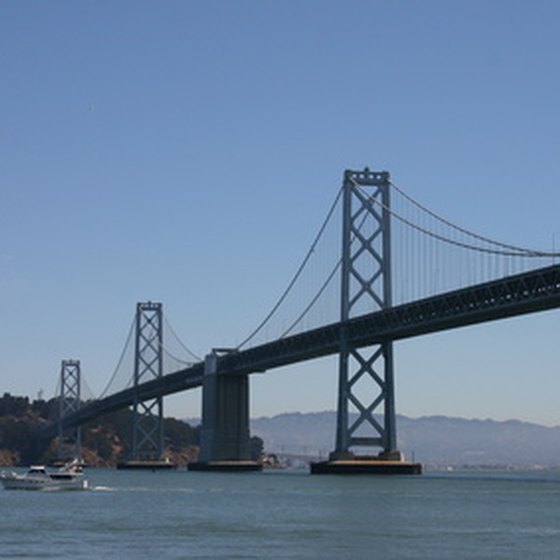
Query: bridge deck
column 529, row 292
column 515, row 295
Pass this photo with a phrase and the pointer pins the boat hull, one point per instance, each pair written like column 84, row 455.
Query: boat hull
column 15, row 481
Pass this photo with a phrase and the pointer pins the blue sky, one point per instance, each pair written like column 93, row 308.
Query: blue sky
column 187, row 152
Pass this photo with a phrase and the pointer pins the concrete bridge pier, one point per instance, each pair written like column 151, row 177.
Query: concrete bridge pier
column 225, row 438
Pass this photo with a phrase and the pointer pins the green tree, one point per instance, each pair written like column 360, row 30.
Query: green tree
column 13, row 406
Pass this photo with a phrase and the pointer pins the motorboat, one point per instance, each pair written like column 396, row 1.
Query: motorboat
column 38, row 477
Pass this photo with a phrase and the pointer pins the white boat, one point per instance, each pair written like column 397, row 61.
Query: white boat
column 38, row 477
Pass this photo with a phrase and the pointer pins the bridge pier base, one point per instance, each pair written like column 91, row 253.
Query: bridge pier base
column 225, row 440
column 387, row 462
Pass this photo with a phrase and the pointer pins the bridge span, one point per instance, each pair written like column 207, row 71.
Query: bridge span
column 530, row 292
column 445, row 293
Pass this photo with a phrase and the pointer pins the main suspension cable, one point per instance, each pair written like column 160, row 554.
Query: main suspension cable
column 178, row 360
column 129, row 336
column 296, row 276
column 518, row 250
column 313, row 301
column 184, row 346
column 514, row 252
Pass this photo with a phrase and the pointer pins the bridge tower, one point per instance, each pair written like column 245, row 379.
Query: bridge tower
column 69, row 441
column 147, row 423
column 365, row 374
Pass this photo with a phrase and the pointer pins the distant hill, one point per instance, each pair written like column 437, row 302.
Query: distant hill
column 104, row 440
column 432, row 440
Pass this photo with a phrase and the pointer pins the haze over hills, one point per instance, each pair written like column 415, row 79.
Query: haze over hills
column 432, row 440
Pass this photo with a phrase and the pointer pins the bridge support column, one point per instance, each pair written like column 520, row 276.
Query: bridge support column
column 147, row 421
column 69, row 441
column 366, row 400
column 225, row 439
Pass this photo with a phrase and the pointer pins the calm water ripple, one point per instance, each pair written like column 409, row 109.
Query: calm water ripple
column 288, row 514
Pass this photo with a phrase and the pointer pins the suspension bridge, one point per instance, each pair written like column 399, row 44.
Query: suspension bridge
column 403, row 271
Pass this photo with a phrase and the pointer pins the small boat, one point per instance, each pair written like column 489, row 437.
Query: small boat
column 38, row 477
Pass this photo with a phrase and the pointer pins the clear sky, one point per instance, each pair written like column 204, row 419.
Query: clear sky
column 187, row 152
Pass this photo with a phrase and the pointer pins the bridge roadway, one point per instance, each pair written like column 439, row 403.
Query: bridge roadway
column 520, row 294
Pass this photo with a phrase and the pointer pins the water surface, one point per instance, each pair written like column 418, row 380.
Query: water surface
column 288, row 514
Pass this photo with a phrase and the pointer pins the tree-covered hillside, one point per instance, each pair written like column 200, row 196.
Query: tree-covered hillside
column 105, row 441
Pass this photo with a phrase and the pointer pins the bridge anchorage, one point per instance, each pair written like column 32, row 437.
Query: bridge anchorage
column 225, row 437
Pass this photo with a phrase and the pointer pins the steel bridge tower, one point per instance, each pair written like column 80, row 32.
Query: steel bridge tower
column 147, row 423
column 365, row 374
column 69, row 441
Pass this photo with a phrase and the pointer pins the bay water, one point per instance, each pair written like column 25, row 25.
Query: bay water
column 288, row 514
